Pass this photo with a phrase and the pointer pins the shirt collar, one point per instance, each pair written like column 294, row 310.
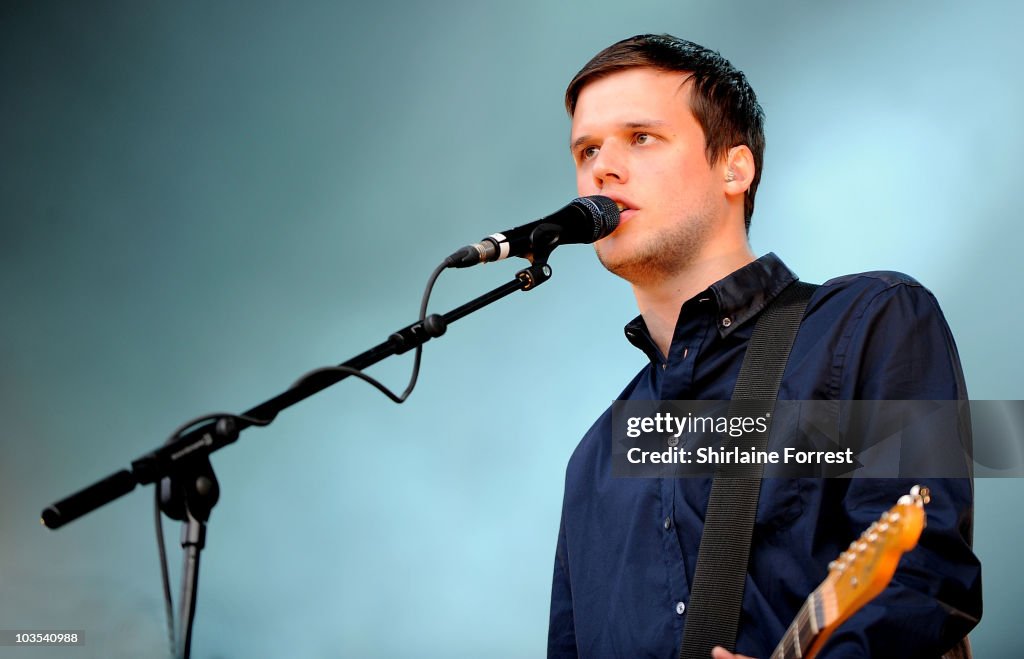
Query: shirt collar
column 739, row 297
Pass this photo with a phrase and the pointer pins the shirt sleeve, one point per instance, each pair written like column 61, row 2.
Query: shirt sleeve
column 561, row 630
column 901, row 349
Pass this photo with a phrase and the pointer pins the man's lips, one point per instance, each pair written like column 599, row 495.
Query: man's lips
column 626, row 209
column 626, row 212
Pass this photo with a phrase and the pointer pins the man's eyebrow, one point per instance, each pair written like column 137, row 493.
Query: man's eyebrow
column 579, row 141
column 632, row 125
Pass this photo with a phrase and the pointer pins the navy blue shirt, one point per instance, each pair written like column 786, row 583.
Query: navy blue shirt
column 627, row 547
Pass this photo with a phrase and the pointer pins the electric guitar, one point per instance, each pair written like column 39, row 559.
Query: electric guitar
column 858, row 575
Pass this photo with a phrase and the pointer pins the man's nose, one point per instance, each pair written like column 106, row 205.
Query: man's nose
column 610, row 166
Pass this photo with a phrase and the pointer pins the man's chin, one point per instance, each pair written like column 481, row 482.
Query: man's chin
column 636, row 271
column 640, row 267
column 610, row 263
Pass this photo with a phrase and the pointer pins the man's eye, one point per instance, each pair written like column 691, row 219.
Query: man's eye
column 642, row 138
column 588, row 153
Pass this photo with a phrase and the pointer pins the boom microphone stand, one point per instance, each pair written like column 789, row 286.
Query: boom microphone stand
column 188, row 485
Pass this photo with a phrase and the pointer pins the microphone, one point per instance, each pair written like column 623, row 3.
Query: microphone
column 582, row 221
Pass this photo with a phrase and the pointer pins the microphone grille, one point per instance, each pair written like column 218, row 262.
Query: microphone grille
column 603, row 212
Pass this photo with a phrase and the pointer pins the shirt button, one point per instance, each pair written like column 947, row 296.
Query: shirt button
column 668, row 525
column 672, row 441
column 726, row 321
column 680, row 608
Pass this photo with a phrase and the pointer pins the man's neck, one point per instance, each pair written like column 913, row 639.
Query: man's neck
column 660, row 303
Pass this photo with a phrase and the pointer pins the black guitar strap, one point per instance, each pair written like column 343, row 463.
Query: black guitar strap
column 714, row 610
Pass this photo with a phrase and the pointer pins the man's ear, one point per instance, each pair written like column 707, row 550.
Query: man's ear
column 739, row 170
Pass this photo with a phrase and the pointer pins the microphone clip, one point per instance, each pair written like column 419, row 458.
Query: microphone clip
column 545, row 238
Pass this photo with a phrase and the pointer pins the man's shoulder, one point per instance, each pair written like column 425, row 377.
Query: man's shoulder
column 882, row 336
column 875, row 279
column 878, row 290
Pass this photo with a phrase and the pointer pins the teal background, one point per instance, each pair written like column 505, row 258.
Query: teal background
column 201, row 201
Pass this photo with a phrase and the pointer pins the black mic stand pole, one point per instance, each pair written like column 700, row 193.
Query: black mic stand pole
column 189, row 495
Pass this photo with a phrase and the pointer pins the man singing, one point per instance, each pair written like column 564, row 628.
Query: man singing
column 673, row 133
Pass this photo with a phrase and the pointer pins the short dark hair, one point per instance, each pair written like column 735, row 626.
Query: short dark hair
column 722, row 101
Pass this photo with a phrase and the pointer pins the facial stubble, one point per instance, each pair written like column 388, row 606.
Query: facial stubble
column 660, row 256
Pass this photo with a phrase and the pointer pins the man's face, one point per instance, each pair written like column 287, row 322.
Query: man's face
column 635, row 139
